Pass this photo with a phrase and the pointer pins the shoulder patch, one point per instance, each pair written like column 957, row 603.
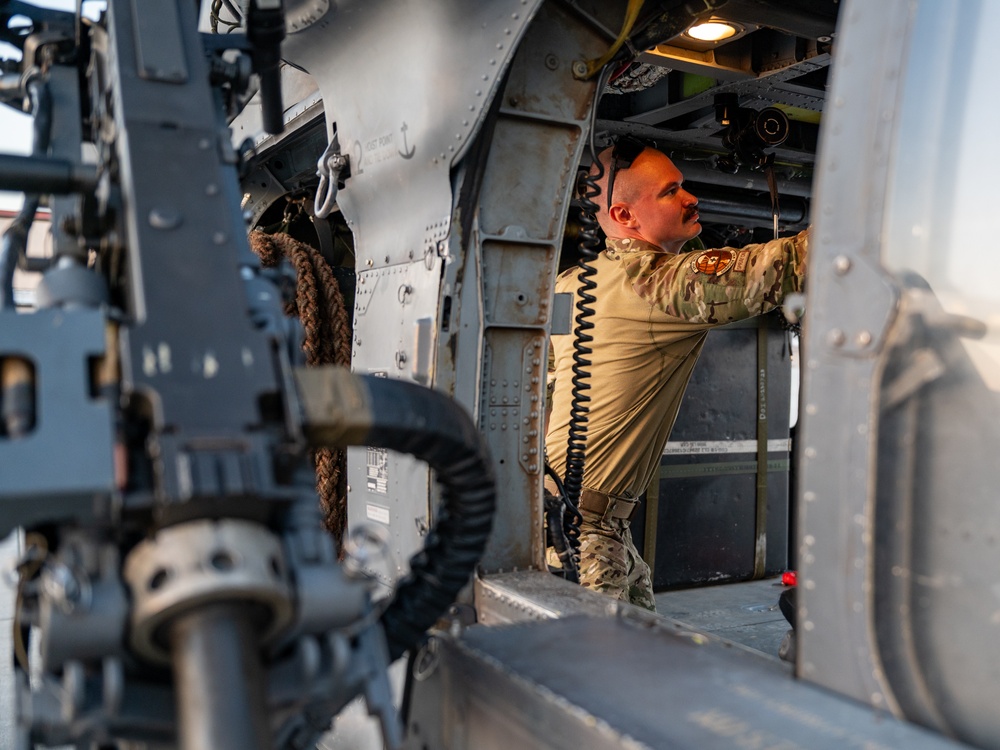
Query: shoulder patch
column 711, row 262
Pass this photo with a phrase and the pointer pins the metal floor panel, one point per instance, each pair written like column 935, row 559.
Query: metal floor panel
column 745, row 613
column 625, row 682
column 742, row 613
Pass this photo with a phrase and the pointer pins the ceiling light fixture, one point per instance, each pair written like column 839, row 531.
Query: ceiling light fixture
column 712, row 31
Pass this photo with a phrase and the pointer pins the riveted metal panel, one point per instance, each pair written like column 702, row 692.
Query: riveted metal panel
column 937, row 521
column 501, row 277
column 643, row 684
column 405, row 114
column 514, row 299
column 541, row 159
column 850, row 304
column 402, row 148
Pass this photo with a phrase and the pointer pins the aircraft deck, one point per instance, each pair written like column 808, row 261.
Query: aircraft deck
column 745, row 613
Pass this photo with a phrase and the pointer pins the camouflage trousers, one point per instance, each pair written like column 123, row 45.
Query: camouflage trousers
column 610, row 563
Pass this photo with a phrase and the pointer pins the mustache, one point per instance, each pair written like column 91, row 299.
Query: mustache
column 690, row 212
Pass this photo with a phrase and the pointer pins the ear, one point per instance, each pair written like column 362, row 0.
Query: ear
column 621, row 214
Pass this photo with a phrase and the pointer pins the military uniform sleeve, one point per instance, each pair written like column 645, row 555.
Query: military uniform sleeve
column 720, row 286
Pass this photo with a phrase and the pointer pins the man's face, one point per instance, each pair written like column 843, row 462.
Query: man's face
column 662, row 212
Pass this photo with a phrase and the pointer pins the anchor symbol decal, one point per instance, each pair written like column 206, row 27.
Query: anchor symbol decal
column 406, row 154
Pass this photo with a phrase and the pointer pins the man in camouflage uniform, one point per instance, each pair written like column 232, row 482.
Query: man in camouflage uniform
column 653, row 311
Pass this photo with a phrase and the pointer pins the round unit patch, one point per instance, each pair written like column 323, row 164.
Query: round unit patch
column 713, row 262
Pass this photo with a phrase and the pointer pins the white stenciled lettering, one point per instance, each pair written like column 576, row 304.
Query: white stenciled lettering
column 377, row 513
column 378, row 149
column 762, row 395
column 696, row 447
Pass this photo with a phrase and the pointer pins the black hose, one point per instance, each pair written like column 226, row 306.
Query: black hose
column 431, row 427
column 14, row 245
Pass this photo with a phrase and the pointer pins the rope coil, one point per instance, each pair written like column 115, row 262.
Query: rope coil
column 319, row 305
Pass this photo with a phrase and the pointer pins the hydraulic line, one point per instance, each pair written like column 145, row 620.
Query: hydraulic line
column 342, row 408
column 13, row 248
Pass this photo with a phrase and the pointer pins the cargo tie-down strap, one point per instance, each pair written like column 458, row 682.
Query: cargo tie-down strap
column 760, row 518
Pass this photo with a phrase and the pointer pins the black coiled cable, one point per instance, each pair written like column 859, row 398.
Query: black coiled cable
column 579, row 408
column 590, row 242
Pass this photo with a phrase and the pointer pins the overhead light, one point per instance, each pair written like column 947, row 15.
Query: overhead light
column 712, row 31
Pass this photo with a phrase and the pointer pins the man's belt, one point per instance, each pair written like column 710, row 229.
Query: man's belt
column 601, row 503
column 607, row 506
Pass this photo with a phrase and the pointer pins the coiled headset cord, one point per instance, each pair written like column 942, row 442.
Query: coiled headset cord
column 590, row 243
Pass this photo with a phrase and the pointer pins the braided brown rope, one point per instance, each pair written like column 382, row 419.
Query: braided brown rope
column 320, row 307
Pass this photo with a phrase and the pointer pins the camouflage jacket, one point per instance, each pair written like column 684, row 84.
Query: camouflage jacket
column 652, row 313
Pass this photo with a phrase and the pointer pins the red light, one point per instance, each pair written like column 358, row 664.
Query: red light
column 788, row 578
